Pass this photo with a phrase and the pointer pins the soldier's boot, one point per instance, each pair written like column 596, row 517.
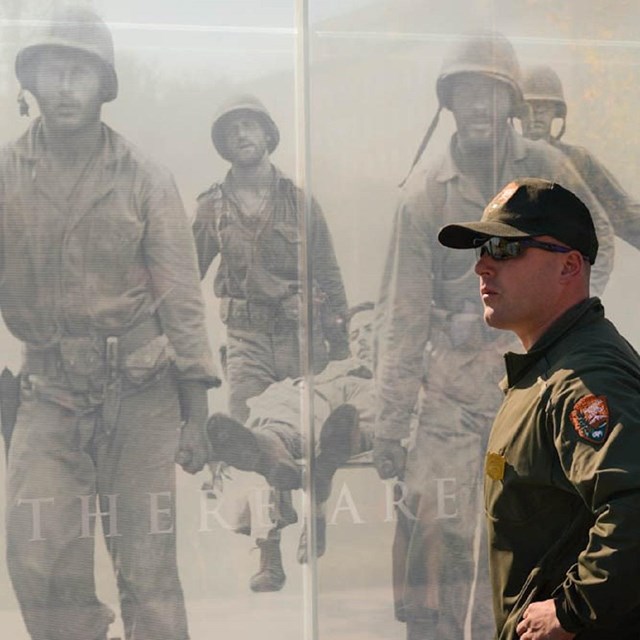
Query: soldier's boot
column 270, row 576
column 334, row 446
column 302, row 554
column 259, row 451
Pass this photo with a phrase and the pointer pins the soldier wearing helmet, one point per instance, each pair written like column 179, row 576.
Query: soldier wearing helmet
column 78, row 33
column 251, row 107
column 544, row 97
column 101, row 285
column 435, row 356
column 253, row 221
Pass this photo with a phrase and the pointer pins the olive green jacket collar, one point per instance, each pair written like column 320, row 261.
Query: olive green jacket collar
column 518, row 364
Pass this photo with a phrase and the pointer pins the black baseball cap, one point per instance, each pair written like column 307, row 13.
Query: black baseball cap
column 525, row 208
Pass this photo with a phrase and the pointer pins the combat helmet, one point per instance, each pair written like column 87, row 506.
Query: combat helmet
column 248, row 103
column 485, row 52
column 543, row 83
column 76, row 28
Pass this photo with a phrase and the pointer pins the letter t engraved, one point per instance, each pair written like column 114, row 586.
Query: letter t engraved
column 36, row 515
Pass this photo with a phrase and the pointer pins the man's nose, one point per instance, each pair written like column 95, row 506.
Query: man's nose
column 240, row 130
column 65, row 82
column 481, row 102
column 485, row 264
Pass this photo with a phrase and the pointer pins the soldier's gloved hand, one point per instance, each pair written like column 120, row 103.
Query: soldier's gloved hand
column 193, row 448
column 389, row 457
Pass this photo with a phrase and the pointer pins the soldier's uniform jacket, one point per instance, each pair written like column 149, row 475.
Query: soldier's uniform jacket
column 114, row 256
column 260, row 257
column 623, row 210
column 562, row 480
column 425, row 285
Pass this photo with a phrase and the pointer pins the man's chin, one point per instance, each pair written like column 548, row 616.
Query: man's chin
column 247, row 161
column 535, row 134
column 479, row 143
column 64, row 122
column 492, row 319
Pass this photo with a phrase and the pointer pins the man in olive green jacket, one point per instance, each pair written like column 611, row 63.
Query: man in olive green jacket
column 435, row 356
column 562, row 478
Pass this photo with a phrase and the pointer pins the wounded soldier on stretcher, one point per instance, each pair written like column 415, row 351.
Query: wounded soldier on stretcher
column 272, row 443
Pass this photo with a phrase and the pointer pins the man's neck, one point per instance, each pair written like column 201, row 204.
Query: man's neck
column 76, row 146
column 255, row 178
column 531, row 336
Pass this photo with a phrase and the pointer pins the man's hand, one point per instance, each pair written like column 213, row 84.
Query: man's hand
column 540, row 622
column 389, row 457
column 193, row 449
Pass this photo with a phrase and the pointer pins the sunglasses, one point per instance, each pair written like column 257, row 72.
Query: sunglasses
column 505, row 248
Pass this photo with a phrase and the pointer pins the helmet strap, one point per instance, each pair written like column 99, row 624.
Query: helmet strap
column 423, row 144
column 22, row 103
column 563, row 128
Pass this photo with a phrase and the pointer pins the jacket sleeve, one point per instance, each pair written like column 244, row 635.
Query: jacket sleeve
column 171, row 260
column 403, row 313
column 326, row 273
column 204, row 230
column 602, row 586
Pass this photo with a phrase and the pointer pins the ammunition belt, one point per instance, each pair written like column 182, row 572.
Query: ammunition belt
column 247, row 315
column 85, row 363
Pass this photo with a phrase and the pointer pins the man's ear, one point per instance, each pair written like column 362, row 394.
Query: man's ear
column 573, row 265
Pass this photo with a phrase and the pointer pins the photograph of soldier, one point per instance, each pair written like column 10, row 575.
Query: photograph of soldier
column 436, row 355
column 272, row 445
column 544, row 97
column 253, row 220
column 99, row 280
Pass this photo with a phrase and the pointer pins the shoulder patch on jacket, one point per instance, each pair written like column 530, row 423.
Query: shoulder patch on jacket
column 590, row 418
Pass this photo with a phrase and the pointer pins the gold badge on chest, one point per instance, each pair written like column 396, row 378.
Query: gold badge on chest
column 494, row 465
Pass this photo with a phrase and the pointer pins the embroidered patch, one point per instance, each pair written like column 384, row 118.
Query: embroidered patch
column 590, row 418
column 503, row 196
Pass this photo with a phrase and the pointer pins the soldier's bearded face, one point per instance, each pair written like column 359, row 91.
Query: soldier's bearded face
column 245, row 140
column 536, row 123
column 481, row 106
column 68, row 89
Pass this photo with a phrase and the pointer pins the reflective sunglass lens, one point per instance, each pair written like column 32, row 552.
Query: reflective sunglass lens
column 500, row 249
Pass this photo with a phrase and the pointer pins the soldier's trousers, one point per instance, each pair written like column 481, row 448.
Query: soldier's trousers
column 62, row 468
column 256, row 359
column 440, row 565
